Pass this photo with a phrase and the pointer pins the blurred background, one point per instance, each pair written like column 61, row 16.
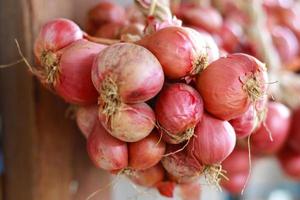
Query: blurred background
column 43, row 155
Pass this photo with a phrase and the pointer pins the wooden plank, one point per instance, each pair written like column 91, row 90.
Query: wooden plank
column 45, row 155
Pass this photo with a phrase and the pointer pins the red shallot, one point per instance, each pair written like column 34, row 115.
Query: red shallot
column 178, row 109
column 271, row 136
column 214, row 140
column 181, row 51
column 231, row 84
column 105, row 151
column 147, row 152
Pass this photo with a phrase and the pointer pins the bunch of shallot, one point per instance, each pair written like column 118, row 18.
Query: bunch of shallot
column 170, row 106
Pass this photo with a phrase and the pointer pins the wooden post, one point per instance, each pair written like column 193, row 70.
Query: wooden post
column 45, row 156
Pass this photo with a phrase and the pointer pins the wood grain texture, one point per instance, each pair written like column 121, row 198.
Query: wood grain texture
column 45, row 156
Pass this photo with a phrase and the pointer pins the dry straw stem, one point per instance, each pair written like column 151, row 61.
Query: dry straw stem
column 160, row 9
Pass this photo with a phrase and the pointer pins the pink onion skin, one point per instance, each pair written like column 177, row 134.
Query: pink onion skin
column 236, row 183
column 278, row 122
column 178, row 108
column 135, row 70
column 166, row 188
column 55, row 35
column 294, row 135
column 148, row 177
column 147, row 152
column 237, row 162
column 105, row 151
column 286, row 43
column 290, row 163
column 131, row 123
column 106, row 12
column 245, row 124
column 225, row 97
column 214, row 140
column 177, row 49
column 86, row 119
column 180, row 166
column 206, row 18
column 75, row 67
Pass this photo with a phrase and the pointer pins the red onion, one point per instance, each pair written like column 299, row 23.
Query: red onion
column 286, row 43
column 74, row 67
column 206, row 18
column 277, row 124
column 231, row 84
column 106, row 12
column 181, row 51
column 148, row 177
column 128, row 71
column 245, row 124
column 130, row 122
column 166, row 188
column 294, row 136
column 230, row 34
column 236, row 182
column 109, row 30
column 147, row 152
column 178, row 109
column 55, row 35
column 290, row 163
column 63, row 65
column 214, row 140
column 237, row 162
column 105, row 151
column 86, row 118
column 181, row 167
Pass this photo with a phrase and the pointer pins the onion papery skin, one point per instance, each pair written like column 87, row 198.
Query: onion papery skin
column 245, row 124
column 55, row 35
column 237, row 162
column 277, row 124
column 181, row 167
column 147, row 152
column 106, row 12
column 214, row 140
column 294, row 136
column 130, row 123
column 166, row 188
column 148, row 177
column 235, row 82
column 290, row 163
column 178, row 108
column 286, row 43
column 206, row 18
column 131, row 70
column 74, row 83
column 181, row 51
column 236, row 183
column 105, row 151
column 86, row 119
